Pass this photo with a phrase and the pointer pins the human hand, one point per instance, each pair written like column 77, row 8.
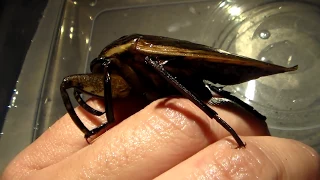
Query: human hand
column 169, row 139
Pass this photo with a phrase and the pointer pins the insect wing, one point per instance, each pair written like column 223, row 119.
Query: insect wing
column 226, row 68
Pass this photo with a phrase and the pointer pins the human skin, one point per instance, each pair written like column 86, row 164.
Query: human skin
column 170, row 138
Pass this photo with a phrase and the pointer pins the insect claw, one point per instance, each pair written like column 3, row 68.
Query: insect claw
column 93, row 137
column 241, row 146
column 88, row 141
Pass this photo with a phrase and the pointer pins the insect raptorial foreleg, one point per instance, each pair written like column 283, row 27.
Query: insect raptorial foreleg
column 74, row 81
column 108, row 106
column 227, row 95
column 92, row 84
column 183, row 90
column 84, row 105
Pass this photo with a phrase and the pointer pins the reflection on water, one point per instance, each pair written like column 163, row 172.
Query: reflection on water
column 235, row 11
column 282, row 33
column 289, row 55
column 264, row 34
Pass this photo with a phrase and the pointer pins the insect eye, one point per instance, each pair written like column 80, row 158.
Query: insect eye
column 96, row 64
column 123, row 36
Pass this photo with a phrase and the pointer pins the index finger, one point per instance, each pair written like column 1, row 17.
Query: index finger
column 64, row 138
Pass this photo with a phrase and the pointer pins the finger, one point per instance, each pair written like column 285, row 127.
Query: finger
column 263, row 158
column 64, row 138
column 152, row 141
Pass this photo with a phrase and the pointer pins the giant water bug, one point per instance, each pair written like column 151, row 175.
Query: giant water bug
column 160, row 66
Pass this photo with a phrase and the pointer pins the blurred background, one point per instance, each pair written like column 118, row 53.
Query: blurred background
column 43, row 41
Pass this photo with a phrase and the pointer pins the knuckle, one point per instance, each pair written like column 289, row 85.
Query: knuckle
column 176, row 120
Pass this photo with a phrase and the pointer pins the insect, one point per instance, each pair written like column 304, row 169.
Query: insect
column 160, row 66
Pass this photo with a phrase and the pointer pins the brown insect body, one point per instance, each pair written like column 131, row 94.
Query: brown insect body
column 183, row 60
column 160, row 66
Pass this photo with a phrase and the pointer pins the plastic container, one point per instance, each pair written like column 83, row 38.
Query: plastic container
column 280, row 32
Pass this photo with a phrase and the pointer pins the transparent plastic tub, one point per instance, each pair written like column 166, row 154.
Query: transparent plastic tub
column 283, row 33
column 280, row 32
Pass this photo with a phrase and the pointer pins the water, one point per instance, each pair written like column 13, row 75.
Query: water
column 286, row 34
column 265, row 34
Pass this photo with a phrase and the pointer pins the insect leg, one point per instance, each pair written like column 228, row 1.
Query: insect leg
column 183, row 90
column 84, row 105
column 92, row 84
column 67, row 83
column 214, row 101
column 108, row 107
column 227, row 94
